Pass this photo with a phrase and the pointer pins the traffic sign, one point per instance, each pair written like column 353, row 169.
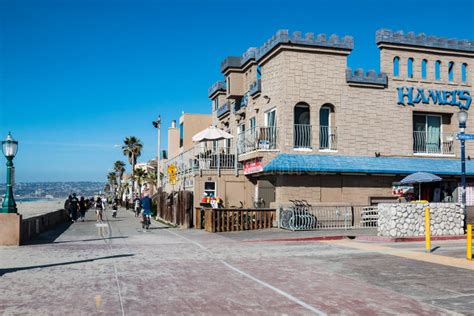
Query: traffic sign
column 465, row 136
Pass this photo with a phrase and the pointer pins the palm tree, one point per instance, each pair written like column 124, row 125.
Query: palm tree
column 132, row 149
column 139, row 175
column 112, row 180
column 119, row 168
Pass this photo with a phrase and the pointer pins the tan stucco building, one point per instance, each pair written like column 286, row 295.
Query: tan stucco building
column 307, row 127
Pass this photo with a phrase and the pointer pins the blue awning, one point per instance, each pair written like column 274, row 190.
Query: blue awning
column 301, row 163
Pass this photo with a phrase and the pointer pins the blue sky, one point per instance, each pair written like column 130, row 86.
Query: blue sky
column 76, row 77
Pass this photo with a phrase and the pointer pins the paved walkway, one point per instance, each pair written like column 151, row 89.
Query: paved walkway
column 119, row 269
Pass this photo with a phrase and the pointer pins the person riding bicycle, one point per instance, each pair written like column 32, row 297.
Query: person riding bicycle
column 146, row 209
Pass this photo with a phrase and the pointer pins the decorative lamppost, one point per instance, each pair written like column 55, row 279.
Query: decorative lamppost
column 157, row 125
column 9, row 148
column 462, row 118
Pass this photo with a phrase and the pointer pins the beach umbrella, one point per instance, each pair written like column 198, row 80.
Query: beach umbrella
column 420, row 177
column 211, row 133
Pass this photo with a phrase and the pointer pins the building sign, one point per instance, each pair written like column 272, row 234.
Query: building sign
column 412, row 96
column 253, row 166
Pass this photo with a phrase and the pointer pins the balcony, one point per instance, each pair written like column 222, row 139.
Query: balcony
column 257, row 138
column 303, row 135
column 433, row 143
column 255, row 87
column 202, row 158
column 223, row 110
column 217, row 86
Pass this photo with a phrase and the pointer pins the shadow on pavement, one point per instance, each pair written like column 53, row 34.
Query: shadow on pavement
column 10, row 270
column 50, row 235
column 85, row 240
column 152, row 228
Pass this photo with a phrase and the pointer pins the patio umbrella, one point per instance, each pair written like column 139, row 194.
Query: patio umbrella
column 420, row 177
column 211, row 133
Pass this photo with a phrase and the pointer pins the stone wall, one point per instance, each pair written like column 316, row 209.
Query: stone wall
column 408, row 220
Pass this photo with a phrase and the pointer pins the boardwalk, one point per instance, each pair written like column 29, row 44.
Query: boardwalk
column 119, row 269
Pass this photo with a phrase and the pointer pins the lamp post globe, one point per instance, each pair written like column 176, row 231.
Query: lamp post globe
column 462, row 118
column 9, row 149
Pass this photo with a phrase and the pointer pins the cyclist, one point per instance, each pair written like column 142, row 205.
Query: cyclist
column 146, row 210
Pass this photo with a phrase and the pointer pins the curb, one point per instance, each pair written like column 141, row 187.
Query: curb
column 360, row 238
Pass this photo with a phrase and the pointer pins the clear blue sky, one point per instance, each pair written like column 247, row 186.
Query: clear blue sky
column 76, row 77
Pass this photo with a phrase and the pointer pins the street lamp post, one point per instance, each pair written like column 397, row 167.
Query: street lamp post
column 9, row 148
column 462, row 118
column 157, row 125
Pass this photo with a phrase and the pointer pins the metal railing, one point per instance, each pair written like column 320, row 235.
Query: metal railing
column 303, row 216
column 327, row 138
column 433, row 143
column 302, row 135
column 202, row 158
column 257, row 138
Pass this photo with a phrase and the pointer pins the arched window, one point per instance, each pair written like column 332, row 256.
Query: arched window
column 396, row 66
column 437, row 70
column 327, row 133
column 410, row 68
column 424, row 64
column 451, row 71
column 302, row 128
column 464, row 73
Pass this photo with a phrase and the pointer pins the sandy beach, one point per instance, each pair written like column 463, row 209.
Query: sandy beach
column 34, row 208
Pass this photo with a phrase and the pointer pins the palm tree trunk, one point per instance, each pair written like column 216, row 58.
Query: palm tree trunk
column 133, row 174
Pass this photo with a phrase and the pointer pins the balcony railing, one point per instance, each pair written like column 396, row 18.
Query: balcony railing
column 255, row 87
column 222, row 110
column 327, row 138
column 257, row 138
column 201, row 158
column 433, row 143
column 302, row 136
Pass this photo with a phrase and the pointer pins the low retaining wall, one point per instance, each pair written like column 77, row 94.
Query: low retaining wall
column 15, row 230
column 408, row 219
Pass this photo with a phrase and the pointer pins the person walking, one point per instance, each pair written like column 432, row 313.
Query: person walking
column 114, row 209
column 137, row 206
column 82, row 208
column 74, row 205
column 99, row 209
column 67, row 205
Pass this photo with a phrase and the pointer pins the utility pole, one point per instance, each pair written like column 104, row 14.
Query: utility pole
column 157, row 125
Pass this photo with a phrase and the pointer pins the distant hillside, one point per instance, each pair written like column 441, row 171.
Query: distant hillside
column 55, row 189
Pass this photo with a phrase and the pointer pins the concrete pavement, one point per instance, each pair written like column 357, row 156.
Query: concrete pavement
column 119, row 269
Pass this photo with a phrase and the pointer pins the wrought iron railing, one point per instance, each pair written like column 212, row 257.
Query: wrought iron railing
column 327, row 138
column 433, row 143
column 257, row 138
column 302, row 135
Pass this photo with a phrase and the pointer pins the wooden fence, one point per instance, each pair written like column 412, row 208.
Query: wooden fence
column 231, row 219
column 176, row 208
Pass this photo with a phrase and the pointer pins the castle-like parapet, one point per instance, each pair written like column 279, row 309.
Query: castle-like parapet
column 217, row 86
column 422, row 40
column 283, row 37
column 371, row 77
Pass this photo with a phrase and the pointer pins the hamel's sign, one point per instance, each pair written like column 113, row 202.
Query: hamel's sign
column 412, row 96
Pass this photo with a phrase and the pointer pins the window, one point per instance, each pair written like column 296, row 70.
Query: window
column 424, row 64
column 396, row 66
column 301, row 126
column 228, row 84
column 181, row 134
column 451, row 71
column 464, row 73
column 215, row 103
column 253, row 123
column 326, row 134
column 210, row 189
column 270, row 118
column 427, row 134
column 259, row 72
column 410, row 68
column 268, row 134
column 437, row 70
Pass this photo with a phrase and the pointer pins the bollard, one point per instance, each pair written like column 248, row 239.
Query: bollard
column 427, row 230
column 469, row 242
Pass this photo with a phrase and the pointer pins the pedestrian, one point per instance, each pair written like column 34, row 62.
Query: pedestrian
column 99, row 209
column 74, row 205
column 127, row 206
column 67, row 205
column 82, row 208
column 114, row 209
column 137, row 206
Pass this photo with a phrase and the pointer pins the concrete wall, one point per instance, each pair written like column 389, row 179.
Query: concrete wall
column 408, row 219
column 193, row 124
column 15, row 231
column 332, row 189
